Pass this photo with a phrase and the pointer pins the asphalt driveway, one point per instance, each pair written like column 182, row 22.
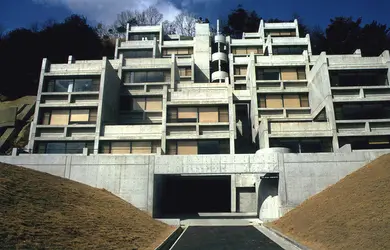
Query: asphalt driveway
column 224, row 237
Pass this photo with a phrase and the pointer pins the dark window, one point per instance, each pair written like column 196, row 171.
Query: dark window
column 363, row 142
column 288, row 50
column 73, row 85
column 138, row 53
column 143, row 36
column 356, row 111
column 208, row 147
column 303, row 145
column 359, row 78
column 63, row 147
column 146, row 76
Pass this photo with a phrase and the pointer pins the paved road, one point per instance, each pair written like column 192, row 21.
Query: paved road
column 225, row 237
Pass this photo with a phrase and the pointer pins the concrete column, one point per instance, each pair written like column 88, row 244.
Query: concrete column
column 68, row 166
column 282, row 187
column 296, row 27
column 44, row 68
column 70, row 59
column 233, row 207
column 100, row 105
column 164, row 121
column 116, row 48
column 151, row 184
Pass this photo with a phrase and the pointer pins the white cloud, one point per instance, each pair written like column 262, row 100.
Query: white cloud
column 106, row 10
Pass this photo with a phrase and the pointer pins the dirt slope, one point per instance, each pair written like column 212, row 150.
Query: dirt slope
column 39, row 210
column 352, row 214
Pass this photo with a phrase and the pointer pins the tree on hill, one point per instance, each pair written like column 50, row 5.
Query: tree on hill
column 240, row 21
column 344, row 35
column 22, row 51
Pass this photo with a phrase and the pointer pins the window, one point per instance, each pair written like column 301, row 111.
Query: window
column 138, row 53
column 267, row 74
column 143, row 36
column 194, row 147
column 366, row 142
column 185, row 71
column 147, row 76
column 65, row 117
column 247, row 50
column 288, row 50
column 177, row 51
column 359, row 78
column 208, row 114
column 128, row 103
column 83, row 85
column 240, row 70
column 208, row 147
column 286, row 101
column 304, row 145
column 200, row 114
column 356, row 111
column 280, row 74
column 73, row 85
column 187, row 114
column 63, row 147
column 130, row 147
column 281, row 33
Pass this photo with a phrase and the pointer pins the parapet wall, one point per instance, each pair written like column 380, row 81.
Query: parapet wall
column 131, row 177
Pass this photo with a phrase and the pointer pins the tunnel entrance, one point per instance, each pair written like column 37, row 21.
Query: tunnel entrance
column 177, row 196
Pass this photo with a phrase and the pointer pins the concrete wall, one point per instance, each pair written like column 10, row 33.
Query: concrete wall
column 131, row 177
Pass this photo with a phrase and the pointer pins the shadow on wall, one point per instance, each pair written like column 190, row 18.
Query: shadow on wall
column 200, row 77
column 269, row 202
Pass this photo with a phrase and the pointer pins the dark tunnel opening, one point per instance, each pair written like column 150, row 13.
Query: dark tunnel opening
column 178, row 196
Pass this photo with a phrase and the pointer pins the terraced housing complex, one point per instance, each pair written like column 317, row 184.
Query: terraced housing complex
column 211, row 94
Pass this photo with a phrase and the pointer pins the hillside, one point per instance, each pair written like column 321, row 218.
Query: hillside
column 352, row 214
column 39, row 210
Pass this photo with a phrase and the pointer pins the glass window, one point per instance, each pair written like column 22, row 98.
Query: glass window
column 75, row 147
column 139, row 77
column 208, row 147
column 62, row 85
column 55, row 148
column 82, row 85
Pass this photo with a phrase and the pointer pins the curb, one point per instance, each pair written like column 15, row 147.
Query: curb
column 170, row 240
column 287, row 238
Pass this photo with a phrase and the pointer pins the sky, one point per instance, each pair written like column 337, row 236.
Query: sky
column 23, row 13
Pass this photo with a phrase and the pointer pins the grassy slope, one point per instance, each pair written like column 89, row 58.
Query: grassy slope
column 39, row 210
column 352, row 214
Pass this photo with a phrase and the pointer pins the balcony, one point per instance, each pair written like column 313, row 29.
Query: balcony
column 131, row 132
column 219, row 56
column 219, row 75
column 220, row 39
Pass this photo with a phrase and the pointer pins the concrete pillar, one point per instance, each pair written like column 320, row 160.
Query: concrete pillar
column 233, row 207
column 116, row 48
column 44, row 68
column 164, row 121
column 70, row 59
column 15, row 152
column 150, row 184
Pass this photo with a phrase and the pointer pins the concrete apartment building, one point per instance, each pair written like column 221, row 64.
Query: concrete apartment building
column 303, row 115
column 213, row 95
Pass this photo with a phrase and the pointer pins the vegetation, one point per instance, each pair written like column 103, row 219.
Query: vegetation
column 41, row 211
column 22, row 49
column 354, row 213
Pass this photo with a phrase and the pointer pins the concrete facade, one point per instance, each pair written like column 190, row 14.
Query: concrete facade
column 132, row 177
column 202, row 106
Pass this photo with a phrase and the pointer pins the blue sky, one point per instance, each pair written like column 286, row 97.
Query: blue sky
column 22, row 13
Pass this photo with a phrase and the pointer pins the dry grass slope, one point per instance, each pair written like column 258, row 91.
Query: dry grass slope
column 352, row 214
column 39, row 211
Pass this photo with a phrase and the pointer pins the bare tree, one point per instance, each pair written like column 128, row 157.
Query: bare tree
column 150, row 16
column 169, row 27
column 185, row 24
